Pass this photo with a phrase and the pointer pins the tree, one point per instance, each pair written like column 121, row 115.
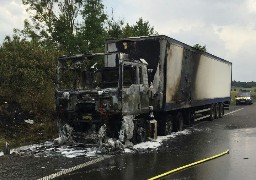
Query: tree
column 28, row 74
column 117, row 29
column 142, row 28
column 92, row 32
column 59, row 23
column 200, row 48
column 53, row 21
column 64, row 28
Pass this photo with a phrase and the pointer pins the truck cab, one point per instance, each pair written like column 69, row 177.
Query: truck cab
column 89, row 97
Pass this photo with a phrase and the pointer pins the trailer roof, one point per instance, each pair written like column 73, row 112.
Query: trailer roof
column 171, row 40
column 81, row 56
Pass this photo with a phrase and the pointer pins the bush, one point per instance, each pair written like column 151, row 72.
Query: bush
column 28, row 75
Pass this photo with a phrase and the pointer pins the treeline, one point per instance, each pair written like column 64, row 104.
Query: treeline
column 243, row 84
column 56, row 27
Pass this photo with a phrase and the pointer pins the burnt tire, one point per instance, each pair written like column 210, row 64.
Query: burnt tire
column 165, row 125
column 139, row 133
column 221, row 110
column 212, row 113
column 168, row 127
column 190, row 118
column 179, row 122
column 217, row 111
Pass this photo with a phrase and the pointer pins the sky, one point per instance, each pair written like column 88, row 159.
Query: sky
column 226, row 27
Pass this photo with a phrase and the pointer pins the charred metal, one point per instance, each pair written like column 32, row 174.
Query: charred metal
column 147, row 85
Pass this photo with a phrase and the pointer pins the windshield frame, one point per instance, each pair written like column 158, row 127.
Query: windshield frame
column 244, row 94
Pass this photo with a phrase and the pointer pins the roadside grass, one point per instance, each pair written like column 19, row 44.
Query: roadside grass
column 27, row 134
column 21, row 125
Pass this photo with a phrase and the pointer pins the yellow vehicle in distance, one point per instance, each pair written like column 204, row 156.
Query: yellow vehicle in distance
column 244, row 97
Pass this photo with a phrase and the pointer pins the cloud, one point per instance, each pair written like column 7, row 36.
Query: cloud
column 227, row 28
column 12, row 15
column 251, row 5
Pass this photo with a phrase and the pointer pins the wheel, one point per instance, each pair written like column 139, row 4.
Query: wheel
column 190, row 117
column 65, row 133
column 179, row 122
column 221, row 110
column 168, row 126
column 165, row 124
column 216, row 111
column 60, row 124
column 212, row 113
column 139, row 132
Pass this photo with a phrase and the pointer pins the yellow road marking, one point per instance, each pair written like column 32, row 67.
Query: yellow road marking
column 189, row 165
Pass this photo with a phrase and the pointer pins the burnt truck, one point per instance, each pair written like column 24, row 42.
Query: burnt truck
column 148, row 86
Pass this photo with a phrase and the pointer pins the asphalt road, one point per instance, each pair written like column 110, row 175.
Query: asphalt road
column 235, row 131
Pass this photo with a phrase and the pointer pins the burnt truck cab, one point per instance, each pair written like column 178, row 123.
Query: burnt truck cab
column 87, row 97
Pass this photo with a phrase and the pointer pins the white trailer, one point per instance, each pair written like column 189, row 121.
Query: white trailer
column 185, row 84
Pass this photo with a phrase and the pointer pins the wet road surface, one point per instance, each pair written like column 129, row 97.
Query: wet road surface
column 235, row 131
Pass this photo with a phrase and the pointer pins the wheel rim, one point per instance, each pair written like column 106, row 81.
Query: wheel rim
column 168, row 127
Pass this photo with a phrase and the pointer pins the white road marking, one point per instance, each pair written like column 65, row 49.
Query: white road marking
column 224, row 115
column 69, row 170
column 233, row 111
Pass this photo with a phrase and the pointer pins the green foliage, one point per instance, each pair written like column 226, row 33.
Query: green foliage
column 92, row 32
column 28, row 74
column 200, row 48
column 117, row 29
column 244, row 84
column 58, row 23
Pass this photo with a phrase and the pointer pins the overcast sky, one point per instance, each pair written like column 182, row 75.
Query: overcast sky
column 226, row 27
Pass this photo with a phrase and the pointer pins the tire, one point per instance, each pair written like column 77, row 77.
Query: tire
column 165, row 125
column 212, row 113
column 60, row 124
column 168, row 126
column 217, row 111
column 179, row 122
column 190, row 117
column 139, row 133
column 221, row 110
